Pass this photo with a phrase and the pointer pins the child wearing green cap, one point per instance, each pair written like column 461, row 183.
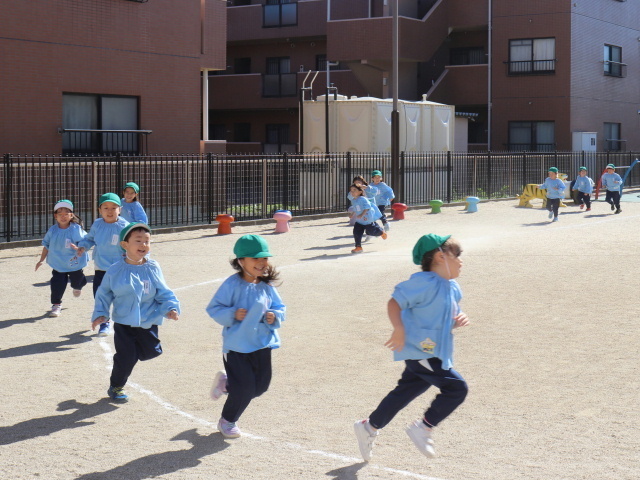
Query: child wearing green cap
column 104, row 235
column 135, row 287
column 250, row 310
column 383, row 196
column 555, row 191
column 423, row 311
column 584, row 186
column 365, row 215
column 132, row 210
column 613, row 183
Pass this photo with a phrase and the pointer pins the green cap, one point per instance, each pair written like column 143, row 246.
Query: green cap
column 133, row 185
column 583, row 168
column 553, row 169
column 110, row 197
column 425, row 244
column 64, row 203
column 611, row 165
column 252, row 246
column 125, row 231
column 376, row 172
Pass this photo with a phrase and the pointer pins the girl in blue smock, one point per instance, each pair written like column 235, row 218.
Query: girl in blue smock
column 250, row 311
column 104, row 235
column 59, row 249
column 383, row 197
column 423, row 312
column 132, row 210
column 365, row 214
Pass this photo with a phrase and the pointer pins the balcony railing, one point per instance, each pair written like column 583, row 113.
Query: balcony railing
column 282, row 15
column 83, row 141
column 531, row 67
column 279, row 85
column 614, row 145
column 531, row 147
column 615, row 69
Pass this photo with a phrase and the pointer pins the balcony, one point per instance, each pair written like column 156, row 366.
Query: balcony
column 461, row 85
column 531, row 67
column 279, row 85
column 615, row 69
column 81, row 141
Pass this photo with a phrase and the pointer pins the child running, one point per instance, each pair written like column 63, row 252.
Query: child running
column 555, row 191
column 250, row 310
column 383, row 196
column 612, row 182
column 105, row 236
column 132, row 210
column 365, row 214
column 584, row 186
column 423, row 311
column 59, row 249
column 140, row 297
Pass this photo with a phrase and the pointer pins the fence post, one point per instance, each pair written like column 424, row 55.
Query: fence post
column 403, row 177
column 488, row 174
column 265, row 182
column 449, row 179
column 524, row 169
column 8, row 193
column 209, row 187
column 118, row 171
column 285, row 171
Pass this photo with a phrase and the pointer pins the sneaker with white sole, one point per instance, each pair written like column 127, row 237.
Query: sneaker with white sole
column 117, row 394
column 386, row 227
column 366, row 436
column 555, row 219
column 219, row 385
column 104, row 329
column 550, row 214
column 420, row 434
column 228, row 429
column 56, row 310
column 76, row 292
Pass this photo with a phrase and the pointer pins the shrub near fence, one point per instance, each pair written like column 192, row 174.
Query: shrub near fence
column 193, row 189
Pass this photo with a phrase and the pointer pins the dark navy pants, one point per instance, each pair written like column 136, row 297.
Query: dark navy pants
column 97, row 280
column 584, row 198
column 552, row 205
column 384, row 217
column 248, row 377
column 132, row 344
column 372, row 229
column 613, row 198
column 415, row 380
column 59, row 282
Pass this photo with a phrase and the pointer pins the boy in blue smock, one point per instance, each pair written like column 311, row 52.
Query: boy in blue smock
column 423, row 312
column 365, row 215
column 132, row 210
column 141, row 299
column 555, row 191
column 613, row 183
column 383, row 197
column 584, row 186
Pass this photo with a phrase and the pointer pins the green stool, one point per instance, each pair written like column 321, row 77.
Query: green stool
column 435, row 205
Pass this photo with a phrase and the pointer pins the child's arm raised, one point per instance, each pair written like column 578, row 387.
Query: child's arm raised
column 396, row 341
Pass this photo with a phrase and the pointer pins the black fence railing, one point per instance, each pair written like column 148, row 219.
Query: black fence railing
column 84, row 141
column 193, row 189
column 531, row 67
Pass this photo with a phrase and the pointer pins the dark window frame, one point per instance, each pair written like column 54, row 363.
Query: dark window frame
column 283, row 9
column 531, row 67
column 533, row 144
column 614, row 68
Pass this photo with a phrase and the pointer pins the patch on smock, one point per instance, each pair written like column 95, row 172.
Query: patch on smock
column 428, row 346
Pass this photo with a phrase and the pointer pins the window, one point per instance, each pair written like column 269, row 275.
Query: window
column 532, row 56
column 321, row 63
column 242, row 65
column 238, row 3
column 279, row 13
column 96, row 113
column 613, row 65
column 278, row 81
column 217, row 131
column 612, row 141
column 532, row 136
column 467, row 56
column 241, row 132
column 277, row 139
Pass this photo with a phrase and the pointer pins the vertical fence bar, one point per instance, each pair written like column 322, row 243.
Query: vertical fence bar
column 489, row 174
column 8, row 195
column 285, row 172
column 449, row 176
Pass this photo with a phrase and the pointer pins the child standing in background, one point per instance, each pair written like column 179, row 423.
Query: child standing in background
column 132, row 210
column 365, row 215
column 59, row 249
column 584, row 186
column 383, row 196
column 251, row 311
column 423, row 312
column 105, row 236
column 612, row 182
column 555, row 191
column 140, row 297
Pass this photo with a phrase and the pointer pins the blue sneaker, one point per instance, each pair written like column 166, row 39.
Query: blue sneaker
column 550, row 214
column 104, row 329
column 117, row 394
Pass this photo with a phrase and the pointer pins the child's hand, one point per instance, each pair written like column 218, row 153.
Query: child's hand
column 97, row 322
column 79, row 250
column 396, row 342
column 38, row 265
column 270, row 317
column 462, row 320
column 240, row 314
column 173, row 315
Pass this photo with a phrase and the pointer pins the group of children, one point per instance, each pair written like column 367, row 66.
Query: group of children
column 583, row 186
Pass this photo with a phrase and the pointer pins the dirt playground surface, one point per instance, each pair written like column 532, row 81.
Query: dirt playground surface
column 551, row 359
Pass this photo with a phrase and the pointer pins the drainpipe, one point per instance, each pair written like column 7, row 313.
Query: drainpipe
column 205, row 105
column 489, row 106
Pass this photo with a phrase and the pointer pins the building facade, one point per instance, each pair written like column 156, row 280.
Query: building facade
column 535, row 76
column 99, row 76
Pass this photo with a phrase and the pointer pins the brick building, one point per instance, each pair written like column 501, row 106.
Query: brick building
column 535, row 73
column 67, row 66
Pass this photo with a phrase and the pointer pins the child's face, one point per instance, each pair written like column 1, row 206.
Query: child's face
column 129, row 194
column 138, row 245
column 376, row 179
column 610, row 170
column 355, row 192
column 583, row 173
column 455, row 264
column 109, row 212
column 253, row 266
column 357, row 182
column 63, row 216
column 553, row 175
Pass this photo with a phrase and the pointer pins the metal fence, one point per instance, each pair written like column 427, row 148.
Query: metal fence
column 193, row 189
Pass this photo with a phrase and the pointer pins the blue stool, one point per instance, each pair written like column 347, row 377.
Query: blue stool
column 472, row 204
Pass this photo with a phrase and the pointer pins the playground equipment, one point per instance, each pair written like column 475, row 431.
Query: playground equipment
column 472, row 204
column 624, row 178
column 224, row 223
column 398, row 211
column 282, row 218
column 532, row 191
column 436, row 205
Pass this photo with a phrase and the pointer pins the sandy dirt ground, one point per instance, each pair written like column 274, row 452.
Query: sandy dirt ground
column 551, row 359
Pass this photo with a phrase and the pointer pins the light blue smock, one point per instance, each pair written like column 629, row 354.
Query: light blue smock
column 61, row 256
column 253, row 333
column 360, row 205
column 612, row 182
column 583, row 184
column 133, row 212
column 138, row 293
column 384, row 195
column 428, row 302
column 555, row 187
column 106, row 238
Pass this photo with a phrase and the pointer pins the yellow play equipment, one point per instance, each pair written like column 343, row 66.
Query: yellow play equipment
column 531, row 191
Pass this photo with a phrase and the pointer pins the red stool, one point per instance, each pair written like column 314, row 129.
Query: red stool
column 398, row 211
column 224, row 223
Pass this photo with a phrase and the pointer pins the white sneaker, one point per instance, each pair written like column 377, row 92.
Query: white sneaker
column 365, row 238
column 550, row 214
column 228, row 429
column 366, row 436
column 56, row 310
column 76, row 292
column 420, row 434
column 386, row 227
column 219, row 385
